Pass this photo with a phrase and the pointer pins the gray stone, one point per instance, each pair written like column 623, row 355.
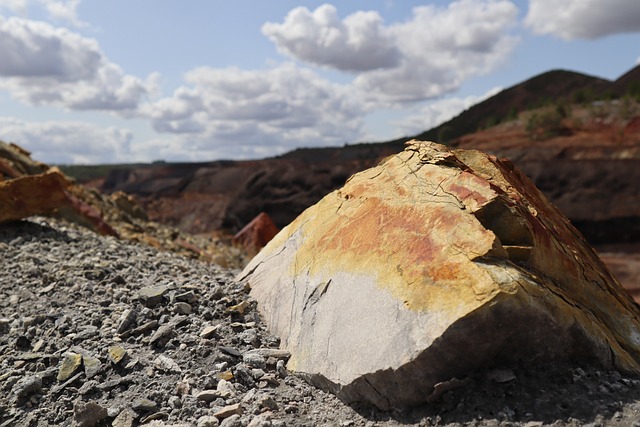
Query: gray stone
column 125, row 418
column 188, row 296
column 166, row 364
column 144, row 404
column 88, row 414
column 153, row 295
column 92, row 365
column 27, row 385
column 232, row 421
column 260, row 421
column 182, row 308
column 254, row 360
column 208, row 421
column 211, row 395
column 268, row 403
column 226, row 387
column 228, row 411
column 163, row 334
column 127, row 319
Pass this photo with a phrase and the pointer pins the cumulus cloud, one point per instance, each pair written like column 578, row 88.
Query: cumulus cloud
column 280, row 107
column 583, row 19
column 59, row 142
column 45, row 65
column 360, row 42
column 428, row 56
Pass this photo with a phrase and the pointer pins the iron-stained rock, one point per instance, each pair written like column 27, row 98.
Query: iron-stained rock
column 432, row 265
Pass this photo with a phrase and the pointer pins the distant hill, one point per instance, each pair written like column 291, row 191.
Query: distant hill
column 556, row 86
column 591, row 169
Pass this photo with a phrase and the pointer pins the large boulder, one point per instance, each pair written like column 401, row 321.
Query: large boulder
column 432, row 265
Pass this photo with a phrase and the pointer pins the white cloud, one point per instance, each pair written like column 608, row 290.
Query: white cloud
column 583, row 19
column 359, row 43
column 64, row 11
column 45, row 65
column 58, row 10
column 17, row 6
column 62, row 142
column 423, row 58
column 436, row 113
column 280, row 107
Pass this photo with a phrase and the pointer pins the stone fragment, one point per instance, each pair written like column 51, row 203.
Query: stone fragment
column 144, row 328
column 445, row 386
column 267, row 402
column 162, row 335
column 224, row 375
column 262, row 420
column 116, row 354
column 92, row 365
column 211, row 395
column 5, row 324
column 188, row 297
column 182, row 308
column 226, row 387
column 88, row 414
column 27, row 385
column 127, row 319
column 155, row 416
column 232, row 421
column 240, row 308
column 228, row 411
column 501, row 375
column 69, row 366
column 380, row 290
column 125, row 418
column 208, row 421
column 153, row 295
column 231, row 351
column 166, row 364
column 270, row 352
column 144, row 405
column 254, row 360
column 209, row 331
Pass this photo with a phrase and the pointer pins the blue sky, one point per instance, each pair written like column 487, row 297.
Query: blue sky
column 87, row 81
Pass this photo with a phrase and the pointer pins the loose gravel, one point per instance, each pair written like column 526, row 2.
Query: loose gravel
column 99, row 332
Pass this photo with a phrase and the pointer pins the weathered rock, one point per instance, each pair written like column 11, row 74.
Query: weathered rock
column 88, row 414
column 125, row 418
column 32, row 195
column 69, row 366
column 28, row 385
column 228, row 411
column 116, row 353
column 257, row 233
column 432, row 265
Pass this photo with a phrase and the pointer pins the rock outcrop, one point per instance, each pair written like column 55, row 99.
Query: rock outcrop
column 28, row 188
column 432, row 265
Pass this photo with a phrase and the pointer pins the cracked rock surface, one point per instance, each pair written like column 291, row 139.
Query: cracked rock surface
column 78, row 313
column 429, row 267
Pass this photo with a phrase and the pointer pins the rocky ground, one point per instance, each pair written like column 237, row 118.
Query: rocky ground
column 96, row 331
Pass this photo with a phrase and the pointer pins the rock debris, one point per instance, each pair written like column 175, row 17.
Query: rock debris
column 84, row 341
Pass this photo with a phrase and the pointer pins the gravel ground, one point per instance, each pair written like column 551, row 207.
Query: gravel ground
column 96, row 331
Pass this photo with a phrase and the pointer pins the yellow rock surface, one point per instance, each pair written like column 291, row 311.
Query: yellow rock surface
column 431, row 265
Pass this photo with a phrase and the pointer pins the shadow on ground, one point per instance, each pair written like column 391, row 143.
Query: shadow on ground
column 535, row 395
